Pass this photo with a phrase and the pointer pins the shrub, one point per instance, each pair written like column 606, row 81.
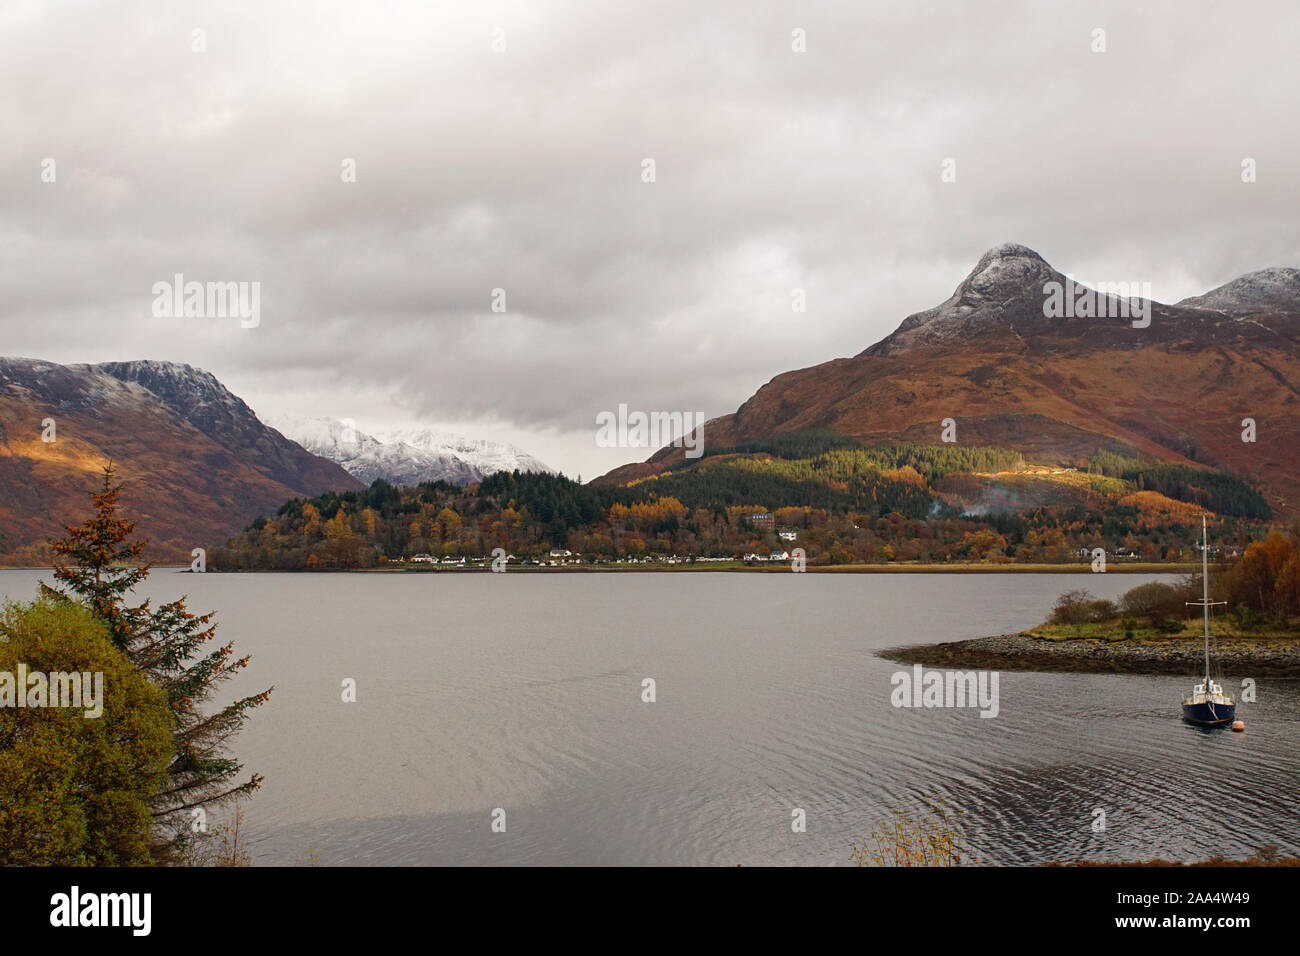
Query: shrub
column 932, row 838
column 1156, row 602
column 1081, row 607
column 74, row 789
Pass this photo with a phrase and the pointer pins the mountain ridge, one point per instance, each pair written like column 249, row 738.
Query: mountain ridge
column 1058, row 389
column 196, row 462
column 404, row 457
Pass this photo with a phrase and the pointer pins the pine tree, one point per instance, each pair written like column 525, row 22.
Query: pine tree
column 101, row 570
column 168, row 644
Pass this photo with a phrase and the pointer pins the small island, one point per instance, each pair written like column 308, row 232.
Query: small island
column 1151, row 629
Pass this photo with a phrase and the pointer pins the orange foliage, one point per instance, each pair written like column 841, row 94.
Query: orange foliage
column 1156, row 509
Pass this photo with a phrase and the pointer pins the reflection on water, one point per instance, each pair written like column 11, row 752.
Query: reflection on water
column 523, row 691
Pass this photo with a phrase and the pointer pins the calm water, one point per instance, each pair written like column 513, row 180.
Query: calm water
column 523, row 691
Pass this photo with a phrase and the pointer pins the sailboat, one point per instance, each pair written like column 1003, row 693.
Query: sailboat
column 1207, row 704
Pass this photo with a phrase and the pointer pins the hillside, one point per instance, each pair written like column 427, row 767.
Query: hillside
column 1057, row 390
column 840, row 502
column 197, row 463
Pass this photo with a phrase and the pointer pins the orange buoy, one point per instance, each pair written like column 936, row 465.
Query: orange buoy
column 1238, row 725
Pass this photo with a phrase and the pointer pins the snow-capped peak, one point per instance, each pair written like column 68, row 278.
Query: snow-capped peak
column 487, row 456
column 1267, row 290
column 404, row 457
column 1008, row 279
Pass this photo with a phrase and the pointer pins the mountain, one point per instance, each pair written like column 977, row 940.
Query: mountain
column 197, row 463
column 1058, row 389
column 485, row 457
column 1269, row 290
column 405, row 457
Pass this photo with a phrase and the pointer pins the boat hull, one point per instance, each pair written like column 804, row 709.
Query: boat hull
column 1209, row 715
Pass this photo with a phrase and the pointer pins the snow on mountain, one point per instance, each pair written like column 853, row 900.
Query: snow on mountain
column 486, row 456
column 404, row 457
column 1263, row 291
column 196, row 463
column 1007, row 282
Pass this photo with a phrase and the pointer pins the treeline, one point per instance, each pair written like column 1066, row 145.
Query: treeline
column 806, row 443
column 935, row 461
column 842, row 508
column 875, row 481
column 847, row 503
column 931, row 461
column 1262, row 586
column 837, row 481
column 1267, row 578
column 557, row 502
column 1221, row 492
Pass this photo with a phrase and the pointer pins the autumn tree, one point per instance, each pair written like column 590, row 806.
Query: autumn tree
column 76, row 782
column 310, row 519
column 1267, row 577
column 448, row 524
column 171, row 647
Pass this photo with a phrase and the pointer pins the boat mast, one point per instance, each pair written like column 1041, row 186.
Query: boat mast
column 1205, row 598
column 1205, row 601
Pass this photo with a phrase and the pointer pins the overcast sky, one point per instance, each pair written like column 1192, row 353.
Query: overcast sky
column 522, row 169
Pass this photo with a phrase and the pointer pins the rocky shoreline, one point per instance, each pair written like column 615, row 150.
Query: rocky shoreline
column 1274, row 657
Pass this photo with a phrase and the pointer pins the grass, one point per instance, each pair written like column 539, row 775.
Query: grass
column 1223, row 632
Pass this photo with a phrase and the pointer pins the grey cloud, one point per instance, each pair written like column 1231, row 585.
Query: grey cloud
column 521, row 170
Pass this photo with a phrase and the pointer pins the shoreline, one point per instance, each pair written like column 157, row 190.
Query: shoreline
column 727, row 567
column 1245, row 657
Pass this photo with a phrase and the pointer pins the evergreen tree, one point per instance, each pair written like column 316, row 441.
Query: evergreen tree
column 100, row 568
column 169, row 645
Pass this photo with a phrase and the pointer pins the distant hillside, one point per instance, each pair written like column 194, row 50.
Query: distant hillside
column 197, row 463
column 841, row 502
column 1058, row 390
